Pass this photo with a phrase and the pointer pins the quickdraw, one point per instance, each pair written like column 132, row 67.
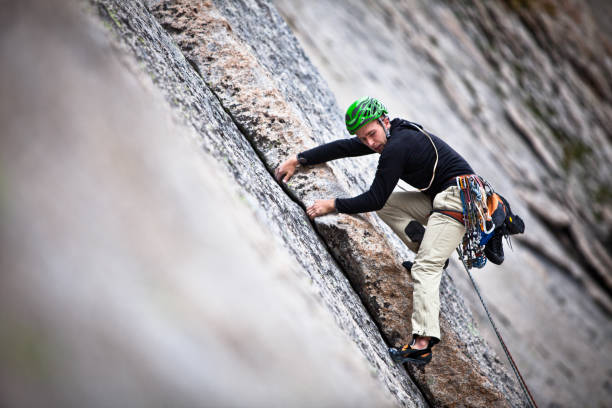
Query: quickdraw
column 478, row 223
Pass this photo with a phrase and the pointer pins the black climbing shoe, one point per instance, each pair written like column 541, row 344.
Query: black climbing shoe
column 408, row 265
column 415, row 356
column 494, row 249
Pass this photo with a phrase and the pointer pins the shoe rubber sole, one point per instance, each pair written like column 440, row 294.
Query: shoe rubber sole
column 400, row 357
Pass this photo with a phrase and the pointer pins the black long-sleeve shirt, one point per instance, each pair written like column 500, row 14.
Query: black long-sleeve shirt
column 408, row 154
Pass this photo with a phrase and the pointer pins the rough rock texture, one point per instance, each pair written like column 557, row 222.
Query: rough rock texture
column 558, row 66
column 121, row 281
column 149, row 263
column 484, row 76
column 251, row 92
column 133, row 307
column 286, row 221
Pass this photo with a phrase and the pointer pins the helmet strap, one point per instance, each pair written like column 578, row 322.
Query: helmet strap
column 387, row 133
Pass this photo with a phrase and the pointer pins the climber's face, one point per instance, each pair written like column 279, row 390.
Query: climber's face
column 373, row 135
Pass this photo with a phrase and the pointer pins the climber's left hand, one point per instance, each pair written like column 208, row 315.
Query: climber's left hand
column 321, row 207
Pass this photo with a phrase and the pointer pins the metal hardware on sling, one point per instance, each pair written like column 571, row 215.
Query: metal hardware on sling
column 473, row 193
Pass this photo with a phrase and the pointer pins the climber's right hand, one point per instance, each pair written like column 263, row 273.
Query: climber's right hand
column 286, row 169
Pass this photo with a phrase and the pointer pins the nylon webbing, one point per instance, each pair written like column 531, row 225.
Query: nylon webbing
column 501, row 340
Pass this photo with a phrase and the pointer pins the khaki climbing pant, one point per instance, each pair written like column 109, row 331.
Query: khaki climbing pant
column 442, row 235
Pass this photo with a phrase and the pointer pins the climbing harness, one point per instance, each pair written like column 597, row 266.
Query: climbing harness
column 501, row 340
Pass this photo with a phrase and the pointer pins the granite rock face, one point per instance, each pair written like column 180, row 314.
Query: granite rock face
column 152, row 259
column 520, row 90
column 133, row 270
column 252, row 93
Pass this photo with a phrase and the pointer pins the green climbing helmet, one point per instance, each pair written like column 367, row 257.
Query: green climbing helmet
column 362, row 111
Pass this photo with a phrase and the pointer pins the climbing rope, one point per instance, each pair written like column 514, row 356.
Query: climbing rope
column 501, row 340
column 471, row 252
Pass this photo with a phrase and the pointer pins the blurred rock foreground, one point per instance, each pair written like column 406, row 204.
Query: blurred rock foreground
column 522, row 90
column 150, row 259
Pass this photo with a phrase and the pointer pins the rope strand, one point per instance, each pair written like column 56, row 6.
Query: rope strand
column 501, row 340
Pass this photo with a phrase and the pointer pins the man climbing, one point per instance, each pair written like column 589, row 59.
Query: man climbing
column 422, row 160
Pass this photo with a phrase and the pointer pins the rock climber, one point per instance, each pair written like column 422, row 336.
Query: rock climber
column 424, row 161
